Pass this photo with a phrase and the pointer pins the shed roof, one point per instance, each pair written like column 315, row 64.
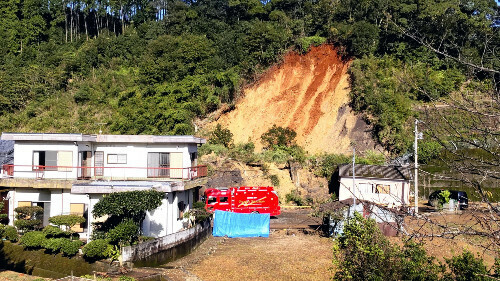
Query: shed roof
column 101, row 138
column 375, row 171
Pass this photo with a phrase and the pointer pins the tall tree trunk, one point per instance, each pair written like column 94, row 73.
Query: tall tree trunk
column 86, row 29
column 71, row 22
column 65, row 21
column 96, row 23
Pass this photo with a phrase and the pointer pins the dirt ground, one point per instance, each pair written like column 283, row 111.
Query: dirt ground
column 285, row 255
column 308, row 93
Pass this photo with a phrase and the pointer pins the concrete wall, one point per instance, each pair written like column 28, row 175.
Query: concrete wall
column 23, row 155
column 172, row 246
column 399, row 191
column 56, row 202
column 166, row 219
column 136, row 157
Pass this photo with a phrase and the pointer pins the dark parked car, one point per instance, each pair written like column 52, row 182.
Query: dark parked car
column 458, row 196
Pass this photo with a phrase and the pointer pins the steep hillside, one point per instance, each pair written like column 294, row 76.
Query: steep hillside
column 308, row 93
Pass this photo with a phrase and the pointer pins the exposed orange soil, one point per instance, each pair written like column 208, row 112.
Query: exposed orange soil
column 308, row 93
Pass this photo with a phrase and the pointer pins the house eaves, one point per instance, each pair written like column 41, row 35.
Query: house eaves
column 103, row 138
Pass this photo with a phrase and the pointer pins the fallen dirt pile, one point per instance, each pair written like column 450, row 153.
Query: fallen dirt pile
column 308, row 93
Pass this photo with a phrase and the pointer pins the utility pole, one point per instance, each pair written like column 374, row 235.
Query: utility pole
column 354, row 177
column 416, row 165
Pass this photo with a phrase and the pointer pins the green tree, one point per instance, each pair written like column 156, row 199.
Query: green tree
column 222, row 136
column 278, row 136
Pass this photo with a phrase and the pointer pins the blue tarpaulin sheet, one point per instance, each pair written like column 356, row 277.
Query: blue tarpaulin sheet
column 240, row 225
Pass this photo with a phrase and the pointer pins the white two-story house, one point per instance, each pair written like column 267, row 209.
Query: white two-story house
column 70, row 173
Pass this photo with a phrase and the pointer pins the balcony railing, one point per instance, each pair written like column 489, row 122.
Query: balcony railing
column 103, row 173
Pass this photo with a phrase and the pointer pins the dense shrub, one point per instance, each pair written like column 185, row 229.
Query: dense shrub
column 53, row 231
column 294, row 196
column 33, row 239
column 10, row 233
column 98, row 249
column 54, row 244
column 221, row 136
column 217, row 149
column 124, row 233
column 278, row 136
column 70, row 247
column 27, row 218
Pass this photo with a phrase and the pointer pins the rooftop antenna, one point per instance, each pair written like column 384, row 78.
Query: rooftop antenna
column 100, row 127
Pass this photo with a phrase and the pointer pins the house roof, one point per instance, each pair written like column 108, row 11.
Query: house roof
column 101, row 138
column 375, row 171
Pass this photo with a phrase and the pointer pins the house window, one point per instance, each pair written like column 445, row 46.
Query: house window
column 182, row 208
column 158, row 164
column 99, row 163
column 53, row 160
column 365, row 188
column 194, row 159
column 78, row 209
column 383, row 189
column 117, row 158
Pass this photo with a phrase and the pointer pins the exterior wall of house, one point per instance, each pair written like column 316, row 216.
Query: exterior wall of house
column 366, row 190
column 54, row 201
column 167, row 218
column 136, row 157
column 23, row 158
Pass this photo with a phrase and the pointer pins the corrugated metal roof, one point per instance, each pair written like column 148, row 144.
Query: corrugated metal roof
column 375, row 171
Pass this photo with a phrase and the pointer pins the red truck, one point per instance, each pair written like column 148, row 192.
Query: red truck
column 243, row 199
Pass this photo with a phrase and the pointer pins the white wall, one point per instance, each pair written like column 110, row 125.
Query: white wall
column 136, row 157
column 23, row 155
column 399, row 191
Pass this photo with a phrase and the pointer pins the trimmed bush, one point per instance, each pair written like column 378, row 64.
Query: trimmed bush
column 98, row 249
column 70, row 247
column 54, row 244
column 26, row 225
column 53, row 231
column 67, row 220
column 33, row 239
column 10, row 233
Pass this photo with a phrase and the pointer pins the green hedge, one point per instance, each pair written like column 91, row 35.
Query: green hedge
column 98, row 249
column 33, row 239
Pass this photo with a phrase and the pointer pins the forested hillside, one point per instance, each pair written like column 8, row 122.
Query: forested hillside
column 151, row 67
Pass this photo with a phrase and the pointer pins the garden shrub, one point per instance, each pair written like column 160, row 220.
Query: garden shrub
column 54, row 244
column 68, row 221
column 27, row 218
column 53, row 231
column 70, row 247
column 98, row 249
column 10, row 233
column 33, row 239
column 124, row 233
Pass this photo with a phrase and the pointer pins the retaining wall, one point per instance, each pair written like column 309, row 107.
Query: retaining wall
column 168, row 248
column 39, row 263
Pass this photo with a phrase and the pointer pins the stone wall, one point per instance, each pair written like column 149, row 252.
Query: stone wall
column 167, row 248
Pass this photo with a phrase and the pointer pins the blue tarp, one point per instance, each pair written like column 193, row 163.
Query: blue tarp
column 240, row 225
